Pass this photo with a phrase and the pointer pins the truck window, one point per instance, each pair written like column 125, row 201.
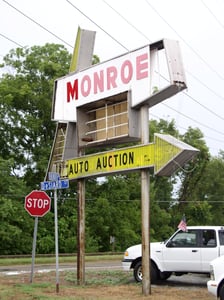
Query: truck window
column 221, row 237
column 184, row 239
column 209, row 238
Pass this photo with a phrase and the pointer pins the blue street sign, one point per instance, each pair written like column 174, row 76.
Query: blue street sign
column 52, row 185
column 53, row 176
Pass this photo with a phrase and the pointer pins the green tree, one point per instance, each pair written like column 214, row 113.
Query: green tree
column 191, row 180
column 211, row 189
column 25, row 100
column 115, row 212
column 161, row 189
column 16, row 224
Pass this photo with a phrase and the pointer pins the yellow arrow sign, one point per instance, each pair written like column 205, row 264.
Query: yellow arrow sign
column 171, row 154
column 166, row 155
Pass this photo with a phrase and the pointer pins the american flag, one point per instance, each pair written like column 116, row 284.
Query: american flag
column 183, row 224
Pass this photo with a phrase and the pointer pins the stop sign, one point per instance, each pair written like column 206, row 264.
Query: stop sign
column 37, row 203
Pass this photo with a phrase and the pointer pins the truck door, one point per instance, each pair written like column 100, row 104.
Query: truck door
column 221, row 241
column 209, row 247
column 182, row 252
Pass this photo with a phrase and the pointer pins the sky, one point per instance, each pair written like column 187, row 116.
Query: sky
column 123, row 26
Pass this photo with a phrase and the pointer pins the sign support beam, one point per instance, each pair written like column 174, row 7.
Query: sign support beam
column 82, row 58
column 145, row 210
column 56, row 239
column 81, row 233
column 34, row 248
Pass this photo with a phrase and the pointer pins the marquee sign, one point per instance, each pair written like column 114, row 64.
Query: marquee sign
column 130, row 71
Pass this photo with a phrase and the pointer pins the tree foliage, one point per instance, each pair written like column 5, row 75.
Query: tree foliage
column 25, row 101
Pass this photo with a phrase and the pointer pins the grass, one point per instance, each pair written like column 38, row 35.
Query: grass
column 100, row 277
column 51, row 260
column 100, row 284
column 44, row 287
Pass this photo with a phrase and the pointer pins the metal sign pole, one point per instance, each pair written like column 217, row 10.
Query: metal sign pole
column 81, row 233
column 34, row 248
column 146, row 284
column 56, row 238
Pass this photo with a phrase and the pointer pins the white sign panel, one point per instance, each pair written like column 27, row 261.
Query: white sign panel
column 127, row 72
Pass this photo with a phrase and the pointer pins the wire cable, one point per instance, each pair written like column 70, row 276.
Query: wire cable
column 185, row 129
column 128, row 22
column 91, row 20
column 186, row 43
column 206, row 126
column 143, row 35
column 38, row 24
column 214, row 16
column 12, row 41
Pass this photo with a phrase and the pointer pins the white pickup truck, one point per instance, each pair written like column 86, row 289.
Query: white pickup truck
column 184, row 252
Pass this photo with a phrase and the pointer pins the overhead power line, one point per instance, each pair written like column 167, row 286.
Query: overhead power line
column 206, row 126
column 38, row 24
column 185, row 129
column 185, row 42
column 128, row 22
column 12, row 41
column 142, row 34
column 91, row 20
column 214, row 16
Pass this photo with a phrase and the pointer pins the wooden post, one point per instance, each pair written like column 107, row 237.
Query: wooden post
column 145, row 180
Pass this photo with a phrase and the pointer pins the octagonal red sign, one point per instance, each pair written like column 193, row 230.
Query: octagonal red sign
column 37, row 203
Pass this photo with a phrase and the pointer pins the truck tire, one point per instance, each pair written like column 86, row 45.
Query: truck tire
column 221, row 292
column 138, row 272
column 165, row 275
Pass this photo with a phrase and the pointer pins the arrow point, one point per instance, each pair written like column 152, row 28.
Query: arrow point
column 171, row 154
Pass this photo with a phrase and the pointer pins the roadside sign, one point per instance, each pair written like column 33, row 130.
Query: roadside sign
column 99, row 81
column 165, row 155
column 53, row 176
column 132, row 70
column 51, row 185
column 37, row 203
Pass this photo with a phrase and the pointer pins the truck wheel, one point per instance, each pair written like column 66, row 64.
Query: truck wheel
column 154, row 273
column 138, row 272
column 165, row 275
column 221, row 292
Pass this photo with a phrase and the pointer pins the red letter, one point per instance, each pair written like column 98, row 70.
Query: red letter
column 85, row 92
column 98, row 81
column 111, row 77
column 72, row 90
column 125, row 78
column 142, row 66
